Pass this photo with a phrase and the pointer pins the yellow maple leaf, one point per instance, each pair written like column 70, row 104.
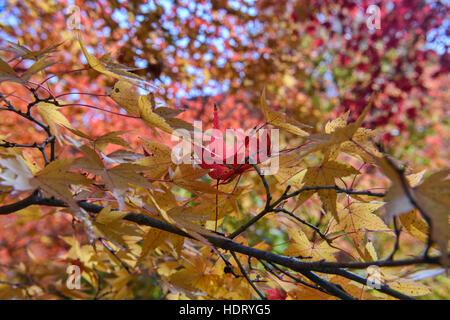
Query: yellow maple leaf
column 159, row 160
column 356, row 220
column 301, row 247
column 114, row 70
column 360, row 138
column 151, row 240
column 290, row 176
column 55, row 180
column 106, row 215
column 325, row 175
column 123, row 94
column 36, row 67
column 338, row 133
column 151, row 118
column 7, row 73
column 409, row 287
column 110, row 138
column 167, row 113
column 52, row 117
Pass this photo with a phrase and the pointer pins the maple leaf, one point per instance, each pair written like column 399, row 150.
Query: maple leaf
column 163, row 240
column 224, row 167
column 114, row 70
column 81, row 256
column 36, row 67
column 55, row 180
column 122, row 156
column 359, row 138
column 354, row 288
column 196, row 277
column 151, row 118
column 23, row 52
column 158, row 160
column 178, row 218
column 185, row 177
column 336, row 134
column 276, row 294
column 412, row 222
column 51, row 116
column 358, row 219
column 123, row 93
column 301, row 247
column 370, row 254
column 409, row 287
column 108, row 224
column 151, row 240
column 291, row 175
column 144, row 106
column 167, row 113
column 116, row 178
column 431, row 198
column 16, row 174
column 403, row 284
column 325, row 175
column 110, row 138
column 138, row 105
column 28, row 214
column 7, row 73
column 208, row 208
column 107, row 216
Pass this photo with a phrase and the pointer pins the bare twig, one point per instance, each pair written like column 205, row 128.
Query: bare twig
column 316, row 229
column 244, row 273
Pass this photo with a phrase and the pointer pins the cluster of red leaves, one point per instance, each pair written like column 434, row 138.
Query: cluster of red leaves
column 229, row 167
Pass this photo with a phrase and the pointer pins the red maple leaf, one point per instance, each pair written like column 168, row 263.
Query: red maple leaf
column 225, row 168
column 275, row 294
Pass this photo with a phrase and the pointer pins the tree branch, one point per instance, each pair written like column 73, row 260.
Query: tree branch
column 304, row 267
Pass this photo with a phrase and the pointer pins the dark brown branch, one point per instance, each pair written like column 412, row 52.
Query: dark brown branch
column 40, row 147
column 328, row 286
column 27, row 115
column 383, row 288
column 19, row 205
column 338, row 190
column 298, row 280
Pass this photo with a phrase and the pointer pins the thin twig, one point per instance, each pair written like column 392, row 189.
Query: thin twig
column 397, row 230
column 244, row 273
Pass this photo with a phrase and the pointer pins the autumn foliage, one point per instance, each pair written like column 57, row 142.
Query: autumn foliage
column 358, row 205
